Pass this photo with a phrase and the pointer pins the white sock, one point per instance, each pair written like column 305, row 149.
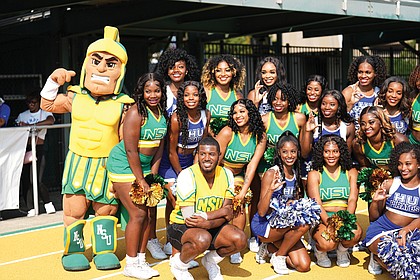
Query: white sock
column 178, row 262
column 131, row 260
column 215, row 256
column 341, row 248
column 142, row 257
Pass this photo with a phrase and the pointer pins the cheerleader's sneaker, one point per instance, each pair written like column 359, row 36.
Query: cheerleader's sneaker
column 374, row 267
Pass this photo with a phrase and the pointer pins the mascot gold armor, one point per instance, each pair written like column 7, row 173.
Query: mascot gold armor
column 98, row 107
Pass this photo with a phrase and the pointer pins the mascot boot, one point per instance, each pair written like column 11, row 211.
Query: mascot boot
column 74, row 247
column 104, row 242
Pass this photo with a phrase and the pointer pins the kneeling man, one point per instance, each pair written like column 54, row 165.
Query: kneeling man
column 200, row 220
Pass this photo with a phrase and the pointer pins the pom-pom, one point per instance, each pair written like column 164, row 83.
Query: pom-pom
column 248, row 195
column 371, row 179
column 153, row 196
column 216, row 124
column 402, row 262
column 269, row 154
column 340, row 226
column 304, row 211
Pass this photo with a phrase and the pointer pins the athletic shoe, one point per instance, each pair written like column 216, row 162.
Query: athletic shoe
column 343, row 258
column 374, row 267
column 212, row 268
column 153, row 272
column 253, row 245
column 167, row 248
column 137, row 270
column 155, row 248
column 31, row 213
column 262, row 253
column 236, row 258
column 180, row 273
column 322, row 258
column 49, row 208
column 279, row 264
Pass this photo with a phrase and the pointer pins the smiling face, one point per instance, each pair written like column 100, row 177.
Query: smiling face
column 208, row 158
column 331, row 154
column 288, row 153
column 279, row 105
column 240, row 115
column 102, row 72
column 313, row 91
column 178, row 71
column 329, row 106
column 223, row 73
column 370, row 125
column 269, row 74
column 394, row 94
column 152, row 93
column 191, row 97
column 365, row 74
column 408, row 166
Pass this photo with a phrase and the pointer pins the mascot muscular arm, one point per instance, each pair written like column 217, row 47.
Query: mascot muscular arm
column 97, row 107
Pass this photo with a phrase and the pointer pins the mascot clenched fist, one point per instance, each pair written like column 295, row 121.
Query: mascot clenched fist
column 97, row 109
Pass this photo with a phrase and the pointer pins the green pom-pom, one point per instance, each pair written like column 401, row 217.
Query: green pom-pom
column 349, row 224
column 269, row 155
column 364, row 176
column 155, row 179
column 216, row 124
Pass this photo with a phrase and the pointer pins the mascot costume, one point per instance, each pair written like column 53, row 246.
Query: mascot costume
column 97, row 109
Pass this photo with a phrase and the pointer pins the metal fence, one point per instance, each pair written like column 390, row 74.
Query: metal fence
column 300, row 62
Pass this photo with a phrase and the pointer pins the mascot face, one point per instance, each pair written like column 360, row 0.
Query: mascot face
column 102, row 73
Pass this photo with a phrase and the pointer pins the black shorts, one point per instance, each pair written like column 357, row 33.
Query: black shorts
column 176, row 231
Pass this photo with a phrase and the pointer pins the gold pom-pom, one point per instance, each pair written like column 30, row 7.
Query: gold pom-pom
column 331, row 231
column 379, row 175
column 248, row 195
column 150, row 198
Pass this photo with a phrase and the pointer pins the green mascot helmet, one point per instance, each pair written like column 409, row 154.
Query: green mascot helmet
column 110, row 44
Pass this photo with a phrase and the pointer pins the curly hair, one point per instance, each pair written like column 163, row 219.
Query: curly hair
column 138, row 95
column 288, row 92
column 288, row 136
column 402, row 148
column 413, row 79
column 378, row 65
column 321, row 80
column 170, row 57
column 387, row 129
column 318, row 152
column 280, row 71
column 208, row 78
column 182, row 110
column 404, row 104
column 256, row 125
column 342, row 114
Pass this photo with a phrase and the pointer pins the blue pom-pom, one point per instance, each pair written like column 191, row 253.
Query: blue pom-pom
column 297, row 213
column 402, row 262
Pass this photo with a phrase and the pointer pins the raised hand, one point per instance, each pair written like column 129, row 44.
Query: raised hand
column 61, row 75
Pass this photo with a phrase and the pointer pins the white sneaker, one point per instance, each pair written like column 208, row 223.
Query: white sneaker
column 322, row 258
column 212, row 268
column 146, row 267
column 31, row 213
column 155, row 248
column 167, row 248
column 374, row 267
column 343, row 258
column 279, row 264
column 137, row 270
column 180, row 273
column 236, row 258
column 49, row 208
column 262, row 253
column 253, row 245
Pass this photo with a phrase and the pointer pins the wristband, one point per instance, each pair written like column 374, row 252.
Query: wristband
column 50, row 89
column 202, row 214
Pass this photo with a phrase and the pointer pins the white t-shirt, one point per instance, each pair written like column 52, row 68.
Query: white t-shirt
column 32, row 118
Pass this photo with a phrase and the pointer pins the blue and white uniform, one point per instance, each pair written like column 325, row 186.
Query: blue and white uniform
column 403, row 201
